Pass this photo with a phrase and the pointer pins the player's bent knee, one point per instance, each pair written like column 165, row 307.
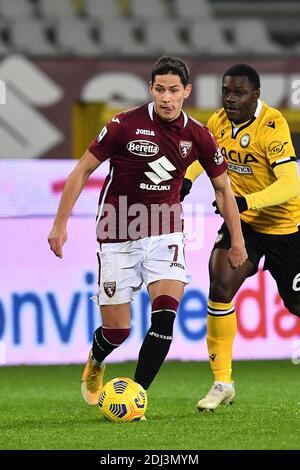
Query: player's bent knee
column 220, row 292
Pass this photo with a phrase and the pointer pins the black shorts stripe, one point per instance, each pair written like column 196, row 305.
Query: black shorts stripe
column 99, row 263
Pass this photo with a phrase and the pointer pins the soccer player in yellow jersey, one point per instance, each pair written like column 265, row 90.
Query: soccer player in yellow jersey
column 256, row 142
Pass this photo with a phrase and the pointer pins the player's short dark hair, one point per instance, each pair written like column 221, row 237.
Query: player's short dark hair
column 244, row 70
column 173, row 65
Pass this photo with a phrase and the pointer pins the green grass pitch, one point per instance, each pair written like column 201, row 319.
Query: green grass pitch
column 41, row 408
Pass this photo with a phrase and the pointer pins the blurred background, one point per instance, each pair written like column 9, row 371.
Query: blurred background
column 66, row 67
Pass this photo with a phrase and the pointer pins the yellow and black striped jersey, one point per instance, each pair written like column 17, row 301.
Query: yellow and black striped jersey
column 254, row 151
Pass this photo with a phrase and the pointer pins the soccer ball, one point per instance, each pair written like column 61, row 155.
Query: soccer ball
column 123, row 400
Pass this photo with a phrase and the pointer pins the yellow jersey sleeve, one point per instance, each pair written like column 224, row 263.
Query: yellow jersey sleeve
column 276, row 141
column 286, row 187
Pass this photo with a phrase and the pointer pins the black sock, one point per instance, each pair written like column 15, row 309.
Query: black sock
column 155, row 347
column 101, row 346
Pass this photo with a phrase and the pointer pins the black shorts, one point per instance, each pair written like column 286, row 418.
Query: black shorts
column 281, row 252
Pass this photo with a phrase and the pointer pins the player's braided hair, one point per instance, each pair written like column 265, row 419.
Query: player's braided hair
column 173, row 65
column 244, row 70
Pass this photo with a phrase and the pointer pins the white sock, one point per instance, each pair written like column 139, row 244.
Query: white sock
column 225, row 384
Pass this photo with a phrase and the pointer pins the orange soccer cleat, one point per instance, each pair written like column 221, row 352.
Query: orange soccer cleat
column 92, row 381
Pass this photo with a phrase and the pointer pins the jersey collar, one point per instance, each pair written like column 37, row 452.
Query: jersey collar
column 236, row 130
column 151, row 113
column 258, row 108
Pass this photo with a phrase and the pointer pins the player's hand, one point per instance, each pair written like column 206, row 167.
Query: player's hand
column 240, row 201
column 185, row 188
column 215, row 206
column 237, row 256
column 57, row 237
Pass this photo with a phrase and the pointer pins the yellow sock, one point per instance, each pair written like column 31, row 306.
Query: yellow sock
column 221, row 330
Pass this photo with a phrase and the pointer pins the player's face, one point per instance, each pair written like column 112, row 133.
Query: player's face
column 168, row 94
column 239, row 98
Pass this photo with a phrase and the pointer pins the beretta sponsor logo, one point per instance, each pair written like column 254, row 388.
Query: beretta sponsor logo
column 143, row 148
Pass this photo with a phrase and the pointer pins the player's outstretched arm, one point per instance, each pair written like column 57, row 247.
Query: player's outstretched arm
column 73, row 187
column 237, row 254
column 286, row 187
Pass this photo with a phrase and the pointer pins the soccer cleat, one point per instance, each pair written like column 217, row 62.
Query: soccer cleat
column 219, row 394
column 92, row 381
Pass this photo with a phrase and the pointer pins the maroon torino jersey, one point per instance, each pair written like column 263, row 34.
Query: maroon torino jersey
column 148, row 160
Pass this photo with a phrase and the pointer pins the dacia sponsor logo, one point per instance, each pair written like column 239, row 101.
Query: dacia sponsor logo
column 144, row 132
column 238, row 157
column 143, row 148
column 276, row 148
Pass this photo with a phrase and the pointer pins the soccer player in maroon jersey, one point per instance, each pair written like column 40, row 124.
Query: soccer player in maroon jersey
column 139, row 225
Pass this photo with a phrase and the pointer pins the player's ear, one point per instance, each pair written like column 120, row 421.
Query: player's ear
column 257, row 93
column 187, row 90
column 150, row 87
